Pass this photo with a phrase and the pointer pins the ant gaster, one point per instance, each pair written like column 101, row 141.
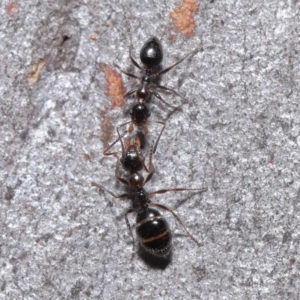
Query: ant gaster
column 152, row 229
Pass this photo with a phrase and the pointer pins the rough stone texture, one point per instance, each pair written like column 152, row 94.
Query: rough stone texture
column 61, row 239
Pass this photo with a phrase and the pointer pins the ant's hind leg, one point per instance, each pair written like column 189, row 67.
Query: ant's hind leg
column 158, row 96
column 105, row 152
column 101, row 187
column 131, row 210
column 178, row 94
column 178, row 220
column 118, row 176
column 126, row 73
column 149, row 176
column 159, row 136
column 136, row 64
column 172, row 91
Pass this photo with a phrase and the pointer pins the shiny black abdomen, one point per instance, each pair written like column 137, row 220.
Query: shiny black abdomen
column 151, row 54
column 153, row 232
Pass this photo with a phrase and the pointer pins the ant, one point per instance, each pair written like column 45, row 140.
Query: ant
column 151, row 56
column 152, row 229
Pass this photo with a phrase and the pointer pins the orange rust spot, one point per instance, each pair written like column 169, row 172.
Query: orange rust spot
column 183, row 17
column 12, row 9
column 93, row 37
column 114, row 86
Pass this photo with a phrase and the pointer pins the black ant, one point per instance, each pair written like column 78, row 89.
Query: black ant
column 152, row 229
column 151, row 56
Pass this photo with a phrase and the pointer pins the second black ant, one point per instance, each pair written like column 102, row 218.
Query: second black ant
column 151, row 56
column 152, row 229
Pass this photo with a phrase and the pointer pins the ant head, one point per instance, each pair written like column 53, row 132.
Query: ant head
column 136, row 180
column 151, row 54
column 131, row 160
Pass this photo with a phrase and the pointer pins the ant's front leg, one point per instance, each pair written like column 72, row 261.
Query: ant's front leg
column 136, row 64
column 101, row 187
column 158, row 96
column 130, row 210
column 118, row 176
column 172, row 91
column 178, row 220
column 105, row 152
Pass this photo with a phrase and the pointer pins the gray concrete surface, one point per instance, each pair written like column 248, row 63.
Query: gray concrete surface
column 61, row 239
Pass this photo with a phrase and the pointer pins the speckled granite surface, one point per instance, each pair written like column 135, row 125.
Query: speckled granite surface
column 61, row 239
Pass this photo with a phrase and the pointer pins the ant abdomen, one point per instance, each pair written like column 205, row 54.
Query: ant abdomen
column 153, row 232
column 151, row 54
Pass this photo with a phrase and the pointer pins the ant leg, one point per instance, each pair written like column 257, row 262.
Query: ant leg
column 130, row 74
column 178, row 190
column 127, row 212
column 172, row 91
column 101, row 187
column 149, row 176
column 176, row 93
column 133, row 60
column 130, row 53
column 150, row 165
column 178, row 219
column 158, row 138
column 130, row 93
column 177, row 63
column 137, row 148
column 126, row 73
column 158, row 96
column 138, row 154
column 124, row 124
column 124, row 181
column 119, row 138
column 130, row 210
